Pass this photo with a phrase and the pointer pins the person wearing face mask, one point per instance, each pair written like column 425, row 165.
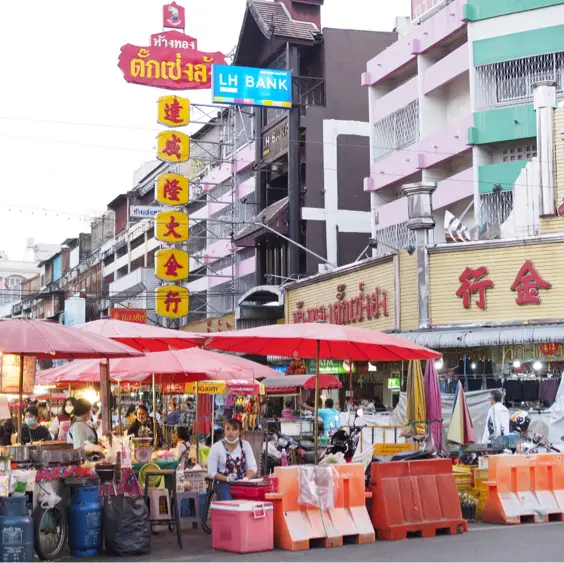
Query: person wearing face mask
column 32, row 431
column 61, row 424
column 145, row 427
column 81, row 431
column 230, row 460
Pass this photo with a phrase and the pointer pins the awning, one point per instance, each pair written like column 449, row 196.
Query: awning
column 438, row 339
column 274, row 216
column 291, row 383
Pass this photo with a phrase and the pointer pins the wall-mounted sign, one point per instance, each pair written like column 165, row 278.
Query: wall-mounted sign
column 366, row 305
column 10, row 374
column 138, row 316
column 144, row 211
column 171, row 60
column 275, row 142
column 172, row 264
column 394, row 383
column 174, row 16
column 173, row 111
column 172, row 301
column 172, row 189
column 330, row 367
column 173, row 146
column 251, row 86
column 474, row 283
column 171, row 226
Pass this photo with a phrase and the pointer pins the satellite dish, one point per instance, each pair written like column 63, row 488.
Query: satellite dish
column 539, row 428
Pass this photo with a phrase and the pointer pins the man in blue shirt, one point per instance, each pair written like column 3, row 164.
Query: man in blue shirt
column 330, row 416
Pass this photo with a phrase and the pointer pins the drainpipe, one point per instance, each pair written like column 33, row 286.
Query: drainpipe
column 545, row 103
column 421, row 222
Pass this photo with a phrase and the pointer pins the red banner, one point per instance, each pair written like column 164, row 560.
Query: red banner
column 174, row 16
column 130, row 315
column 173, row 388
column 172, row 62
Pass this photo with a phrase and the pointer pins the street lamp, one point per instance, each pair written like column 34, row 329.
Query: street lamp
column 473, row 366
column 516, row 364
column 421, row 222
column 537, row 366
column 439, row 363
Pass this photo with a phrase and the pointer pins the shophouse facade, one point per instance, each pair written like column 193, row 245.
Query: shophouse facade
column 451, row 102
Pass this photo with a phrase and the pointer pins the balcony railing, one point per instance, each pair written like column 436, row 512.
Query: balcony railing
column 397, row 130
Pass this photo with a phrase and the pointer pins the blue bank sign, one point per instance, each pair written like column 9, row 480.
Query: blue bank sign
column 248, row 86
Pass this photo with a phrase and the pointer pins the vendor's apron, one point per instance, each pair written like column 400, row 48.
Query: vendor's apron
column 235, row 465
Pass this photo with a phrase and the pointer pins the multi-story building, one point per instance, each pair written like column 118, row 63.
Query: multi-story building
column 451, row 102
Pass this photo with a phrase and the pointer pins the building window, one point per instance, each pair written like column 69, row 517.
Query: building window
column 397, row 130
column 512, row 82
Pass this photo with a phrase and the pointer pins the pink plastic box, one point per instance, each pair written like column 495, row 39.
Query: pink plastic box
column 242, row 526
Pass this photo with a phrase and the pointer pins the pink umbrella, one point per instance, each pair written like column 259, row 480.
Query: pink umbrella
column 433, row 404
column 143, row 337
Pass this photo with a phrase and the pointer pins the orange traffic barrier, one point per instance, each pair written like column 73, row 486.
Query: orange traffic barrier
column 415, row 497
column 525, row 489
column 296, row 525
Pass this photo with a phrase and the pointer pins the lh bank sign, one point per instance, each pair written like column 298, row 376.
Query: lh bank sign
column 248, row 86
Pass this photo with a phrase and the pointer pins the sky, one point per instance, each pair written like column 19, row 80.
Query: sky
column 72, row 131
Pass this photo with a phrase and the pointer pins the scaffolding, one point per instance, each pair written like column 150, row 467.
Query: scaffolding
column 214, row 147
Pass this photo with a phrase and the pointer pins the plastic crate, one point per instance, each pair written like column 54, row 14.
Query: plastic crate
column 463, row 477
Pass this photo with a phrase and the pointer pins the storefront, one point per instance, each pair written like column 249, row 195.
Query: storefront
column 379, row 294
column 497, row 314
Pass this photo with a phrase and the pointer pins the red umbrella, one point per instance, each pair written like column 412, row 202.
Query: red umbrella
column 311, row 340
column 26, row 337
column 324, row 382
column 320, row 340
column 46, row 340
column 143, row 337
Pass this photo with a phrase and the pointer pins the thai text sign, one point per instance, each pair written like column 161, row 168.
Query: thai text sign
column 173, row 146
column 173, row 388
column 331, row 367
column 172, row 61
column 251, row 86
column 172, row 301
column 172, row 189
column 172, row 264
column 206, row 388
column 138, row 316
column 10, row 374
column 171, row 226
column 144, row 211
column 367, row 304
column 173, row 111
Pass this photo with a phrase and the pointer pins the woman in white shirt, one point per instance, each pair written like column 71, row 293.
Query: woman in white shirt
column 81, row 431
column 230, row 460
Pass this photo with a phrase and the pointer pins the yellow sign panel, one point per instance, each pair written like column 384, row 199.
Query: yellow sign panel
column 207, row 388
column 172, row 264
column 172, row 189
column 173, row 146
column 174, row 111
column 171, row 227
column 172, row 301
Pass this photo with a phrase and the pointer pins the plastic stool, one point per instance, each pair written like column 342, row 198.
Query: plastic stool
column 173, row 517
column 189, row 508
column 159, row 505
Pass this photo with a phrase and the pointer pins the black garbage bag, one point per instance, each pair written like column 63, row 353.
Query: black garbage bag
column 127, row 529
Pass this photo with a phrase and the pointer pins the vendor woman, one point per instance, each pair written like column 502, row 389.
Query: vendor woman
column 144, row 426
column 62, row 422
column 32, row 431
column 81, row 431
column 230, row 459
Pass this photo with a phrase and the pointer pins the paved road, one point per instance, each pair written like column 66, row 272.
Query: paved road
column 532, row 542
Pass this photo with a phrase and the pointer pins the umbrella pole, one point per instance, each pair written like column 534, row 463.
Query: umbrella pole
column 106, row 397
column 316, row 404
column 197, row 430
column 155, row 423
column 120, row 428
column 20, row 398
column 351, row 398
column 212, row 416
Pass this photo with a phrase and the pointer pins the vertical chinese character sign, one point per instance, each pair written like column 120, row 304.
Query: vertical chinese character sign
column 171, row 226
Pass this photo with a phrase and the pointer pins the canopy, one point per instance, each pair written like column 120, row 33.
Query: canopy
column 310, row 340
column 291, row 383
column 143, row 337
column 194, row 364
column 47, row 340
